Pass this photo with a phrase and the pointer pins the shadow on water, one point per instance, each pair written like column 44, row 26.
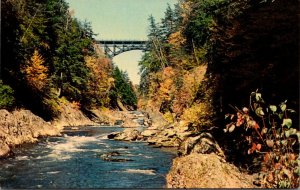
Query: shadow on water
column 74, row 161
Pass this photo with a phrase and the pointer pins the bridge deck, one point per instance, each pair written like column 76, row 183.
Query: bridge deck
column 116, row 47
column 121, row 41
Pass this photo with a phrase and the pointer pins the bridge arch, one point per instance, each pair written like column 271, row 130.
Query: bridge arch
column 113, row 48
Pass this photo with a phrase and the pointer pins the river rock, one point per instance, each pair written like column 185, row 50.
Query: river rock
column 169, row 132
column 206, row 171
column 149, row 132
column 118, row 122
column 112, row 135
column 130, row 123
column 110, row 156
column 203, row 143
column 173, row 142
column 128, row 135
column 184, row 135
column 4, row 150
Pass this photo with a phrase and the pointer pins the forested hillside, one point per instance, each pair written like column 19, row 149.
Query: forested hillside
column 207, row 57
column 48, row 56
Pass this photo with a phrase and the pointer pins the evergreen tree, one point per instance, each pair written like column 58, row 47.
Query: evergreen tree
column 122, row 90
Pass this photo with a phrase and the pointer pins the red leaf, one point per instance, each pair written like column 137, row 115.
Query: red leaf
column 256, row 126
column 258, row 147
column 277, row 166
column 267, row 157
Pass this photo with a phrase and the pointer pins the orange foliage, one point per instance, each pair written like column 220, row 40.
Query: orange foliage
column 75, row 105
column 176, row 39
column 167, row 88
column 35, row 71
column 186, row 94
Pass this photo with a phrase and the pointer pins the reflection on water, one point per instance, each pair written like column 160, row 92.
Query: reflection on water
column 73, row 161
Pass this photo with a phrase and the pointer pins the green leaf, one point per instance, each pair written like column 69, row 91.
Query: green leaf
column 291, row 110
column 273, row 108
column 284, row 142
column 226, row 116
column 282, row 106
column 287, row 122
column 287, row 133
column 297, row 171
column 298, row 135
column 293, row 131
column 280, row 115
column 259, row 112
column 258, row 96
column 290, row 132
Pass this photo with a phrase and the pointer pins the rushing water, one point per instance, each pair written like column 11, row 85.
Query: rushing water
column 73, row 161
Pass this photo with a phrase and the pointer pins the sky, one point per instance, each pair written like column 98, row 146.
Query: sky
column 119, row 20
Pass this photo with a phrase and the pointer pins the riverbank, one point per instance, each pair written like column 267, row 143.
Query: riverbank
column 84, row 158
column 22, row 126
column 19, row 127
column 200, row 163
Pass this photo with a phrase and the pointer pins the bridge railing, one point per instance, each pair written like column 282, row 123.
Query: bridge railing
column 121, row 42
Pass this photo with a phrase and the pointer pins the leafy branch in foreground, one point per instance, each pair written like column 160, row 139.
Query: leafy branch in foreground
column 268, row 130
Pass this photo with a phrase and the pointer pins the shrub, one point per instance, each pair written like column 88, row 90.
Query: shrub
column 268, row 131
column 168, row 117
column 198, row 115
column 6, row 96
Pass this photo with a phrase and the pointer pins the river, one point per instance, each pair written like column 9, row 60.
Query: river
column 74, row 161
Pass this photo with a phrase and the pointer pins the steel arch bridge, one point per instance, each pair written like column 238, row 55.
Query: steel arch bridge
column 113, row 48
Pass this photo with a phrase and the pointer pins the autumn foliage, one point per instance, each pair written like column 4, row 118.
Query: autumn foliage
column 35, row 71
column 101, row 80
column 267, row 130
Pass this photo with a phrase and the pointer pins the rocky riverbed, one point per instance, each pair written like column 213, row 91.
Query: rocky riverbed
column 22, row 126
column 201, row 163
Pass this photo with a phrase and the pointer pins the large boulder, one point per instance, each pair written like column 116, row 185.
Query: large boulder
column 203, row 143
column 149, row 132
column 206, row 171
column 130, row 123
column 129, row 134
column 22, row 126
column 4, row 150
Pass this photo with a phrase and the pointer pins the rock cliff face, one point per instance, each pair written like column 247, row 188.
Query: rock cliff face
column 21, row 126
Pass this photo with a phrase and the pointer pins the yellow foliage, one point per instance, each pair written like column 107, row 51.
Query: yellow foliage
column 198, row 114
column 54, row 106
column 187, row 93
column 101, row 81
column 166, row 86
column 142, row 103
column 168, row 117
column 35, row 71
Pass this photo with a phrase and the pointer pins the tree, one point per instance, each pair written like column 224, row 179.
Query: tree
column 35, row 71
column 167, row 23
column 122, row 90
